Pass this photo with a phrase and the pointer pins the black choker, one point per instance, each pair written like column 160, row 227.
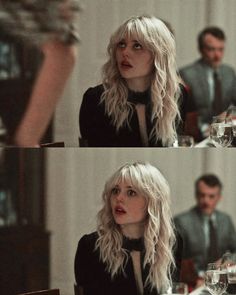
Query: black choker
column 139, row 97
column 133, row 244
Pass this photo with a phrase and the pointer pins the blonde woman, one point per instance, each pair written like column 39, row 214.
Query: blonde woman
column 131, row 252
column 137, row 103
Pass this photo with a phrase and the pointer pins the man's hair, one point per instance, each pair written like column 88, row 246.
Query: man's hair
column 210, row 180
column 214, row 31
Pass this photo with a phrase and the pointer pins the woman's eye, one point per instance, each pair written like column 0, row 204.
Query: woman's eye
column 131, row 193
column 138, row 45
column 121, row 44
column 115, row 191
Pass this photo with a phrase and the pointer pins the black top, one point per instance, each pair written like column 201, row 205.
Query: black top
column 91, row 274
column 97, row 129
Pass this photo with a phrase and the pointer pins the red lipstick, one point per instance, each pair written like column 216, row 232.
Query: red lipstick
column 119, row 210
column 125, row 64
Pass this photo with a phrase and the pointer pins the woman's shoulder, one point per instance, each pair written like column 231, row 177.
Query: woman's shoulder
column 94, row 92
column 86, row 249
column 91, row 102
column 89, row 240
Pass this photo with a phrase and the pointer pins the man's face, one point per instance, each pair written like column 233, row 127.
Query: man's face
column 207, row 197
column 213, row 50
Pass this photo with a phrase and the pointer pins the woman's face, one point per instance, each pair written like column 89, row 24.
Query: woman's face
column 135, row 63
column 129, row 208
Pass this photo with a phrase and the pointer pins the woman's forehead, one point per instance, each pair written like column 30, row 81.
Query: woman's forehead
column 124, row 181
column 130, row 33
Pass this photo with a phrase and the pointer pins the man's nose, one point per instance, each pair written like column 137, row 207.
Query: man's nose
column 219, row 53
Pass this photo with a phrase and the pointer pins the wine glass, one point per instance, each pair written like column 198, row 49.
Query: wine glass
column 221, row 134
column 231, row 113
column 219, row 118
column 184, row 141
column 231, row 117
column 177, row 289
column 216, row 279
column 229, row 263
column 3, row 133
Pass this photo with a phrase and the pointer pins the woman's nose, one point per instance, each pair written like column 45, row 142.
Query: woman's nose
column 120, row 196
column 126, row 51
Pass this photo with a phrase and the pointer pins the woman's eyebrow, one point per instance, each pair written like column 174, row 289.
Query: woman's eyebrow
column 129, row 186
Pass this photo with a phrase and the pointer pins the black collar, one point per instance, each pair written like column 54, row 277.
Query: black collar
column 139, row 97
column 133, row 244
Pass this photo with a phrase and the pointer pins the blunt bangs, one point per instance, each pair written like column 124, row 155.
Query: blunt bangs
column 134, row 29
column 132, row 175
column 149, row 31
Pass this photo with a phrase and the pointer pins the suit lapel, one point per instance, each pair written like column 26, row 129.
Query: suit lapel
column 220, row 229
column 199, row 228
column 203, row 82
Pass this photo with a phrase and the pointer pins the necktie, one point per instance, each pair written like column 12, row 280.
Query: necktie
column 213, row 254
column 217, row 101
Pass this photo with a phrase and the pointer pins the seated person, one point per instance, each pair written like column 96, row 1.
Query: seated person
column 133, row 250
column 211, row 84
column 207, row 233
column 137, row 104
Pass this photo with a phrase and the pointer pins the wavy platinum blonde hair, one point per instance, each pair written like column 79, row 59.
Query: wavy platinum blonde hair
column 159, row 235
column 153, row 35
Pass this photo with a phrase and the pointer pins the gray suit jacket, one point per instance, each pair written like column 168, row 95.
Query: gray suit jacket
column 195, row 77
column 190, row 226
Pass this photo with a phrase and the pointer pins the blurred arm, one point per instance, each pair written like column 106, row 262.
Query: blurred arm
column 59, row 60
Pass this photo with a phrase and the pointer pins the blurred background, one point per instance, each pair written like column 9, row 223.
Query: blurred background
column 97, row 21
column 50, row 198
column 101, row 18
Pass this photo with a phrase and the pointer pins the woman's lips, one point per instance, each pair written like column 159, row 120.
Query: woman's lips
column 119, row 210
column 126, row 65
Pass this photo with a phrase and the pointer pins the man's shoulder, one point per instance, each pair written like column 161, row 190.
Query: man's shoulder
column 185, row 216
column 222, row 215
column 191, row 67
column 225, row 68
column 191, row 71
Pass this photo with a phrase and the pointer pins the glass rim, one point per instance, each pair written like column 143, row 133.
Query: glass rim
column 223, row 124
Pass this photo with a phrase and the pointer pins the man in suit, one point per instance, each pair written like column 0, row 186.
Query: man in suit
column 207, row 233
column 212, row 84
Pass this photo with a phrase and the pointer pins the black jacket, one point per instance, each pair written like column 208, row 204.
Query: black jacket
column 90, row 272
column 97, row 129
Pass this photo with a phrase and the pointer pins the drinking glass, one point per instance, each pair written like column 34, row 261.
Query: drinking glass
column 229, row 263
column 3, row 133
column 216, row 279
column 231, row 117
column 184, row 141
column 177, row 289
column 231, row 113
column 218, row 119
column 221, row 134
